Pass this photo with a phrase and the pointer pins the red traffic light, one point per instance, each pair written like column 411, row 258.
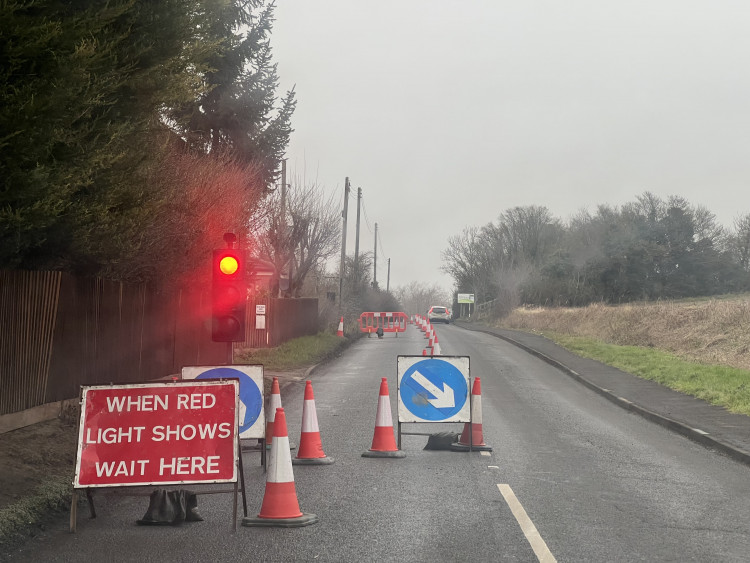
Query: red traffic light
column 228, row 297
column 228, row 265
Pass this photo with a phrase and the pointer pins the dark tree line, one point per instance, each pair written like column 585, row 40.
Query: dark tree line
column 647, row 249
column 133, row 133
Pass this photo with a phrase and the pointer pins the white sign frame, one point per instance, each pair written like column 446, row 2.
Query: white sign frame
column 461, row 363
column 255, row 373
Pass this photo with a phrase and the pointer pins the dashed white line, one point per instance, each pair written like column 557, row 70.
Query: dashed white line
column 527, row 526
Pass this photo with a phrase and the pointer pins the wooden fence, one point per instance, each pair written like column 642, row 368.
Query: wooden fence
column 58, row 332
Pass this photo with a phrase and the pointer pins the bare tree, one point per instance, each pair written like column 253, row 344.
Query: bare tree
column 741, row 241
column 417, row 298
column 204, row 196
column 302, row 236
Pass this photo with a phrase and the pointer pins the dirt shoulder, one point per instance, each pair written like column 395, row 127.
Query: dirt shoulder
column 34, row 455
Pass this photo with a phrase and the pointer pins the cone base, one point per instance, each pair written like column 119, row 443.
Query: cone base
column 459, row 447
column 379, row 453
column 312, row 460
column 299, row 521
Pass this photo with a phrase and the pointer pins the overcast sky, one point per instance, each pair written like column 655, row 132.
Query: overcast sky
column 449, row 113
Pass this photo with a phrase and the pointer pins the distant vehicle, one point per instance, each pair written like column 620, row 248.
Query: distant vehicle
column 439, row 314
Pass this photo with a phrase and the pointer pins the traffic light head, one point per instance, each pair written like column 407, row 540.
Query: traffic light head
column 228, row 297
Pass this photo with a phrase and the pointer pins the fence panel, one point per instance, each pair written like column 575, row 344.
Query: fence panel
column 28, row 308
column 58, row 332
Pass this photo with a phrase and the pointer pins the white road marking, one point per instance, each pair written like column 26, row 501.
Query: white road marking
column 527, row 526
column 485, row 453
column 699, row 431
column 493, row 467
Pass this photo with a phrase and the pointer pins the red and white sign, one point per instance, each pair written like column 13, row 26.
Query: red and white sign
column 158, row 433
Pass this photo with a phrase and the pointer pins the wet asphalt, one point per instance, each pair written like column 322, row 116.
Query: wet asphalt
column 710, row 425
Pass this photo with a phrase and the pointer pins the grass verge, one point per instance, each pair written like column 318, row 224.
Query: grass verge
column 719, row 385
column 19, row 520
column 297, row 353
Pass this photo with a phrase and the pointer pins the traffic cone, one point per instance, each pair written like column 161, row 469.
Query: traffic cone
column 475, row 440
column 280, row 506
column 340, row 331
column 383, row 441
column 310, row 450
column 273, row 404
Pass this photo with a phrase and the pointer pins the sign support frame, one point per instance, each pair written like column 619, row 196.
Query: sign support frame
column 400, row 432
column 239, row 483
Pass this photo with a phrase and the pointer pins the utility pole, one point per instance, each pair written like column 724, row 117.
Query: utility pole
column 343, row 245
column 388, row 282
column 375, row 260
column 356, row 240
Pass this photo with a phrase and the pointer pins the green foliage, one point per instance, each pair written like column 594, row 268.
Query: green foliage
column 647, row 249
column 236, row 113
column 19, row 519
column 88, row 92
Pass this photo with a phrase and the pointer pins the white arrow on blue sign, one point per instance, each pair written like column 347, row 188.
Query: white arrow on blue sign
column 433, row 389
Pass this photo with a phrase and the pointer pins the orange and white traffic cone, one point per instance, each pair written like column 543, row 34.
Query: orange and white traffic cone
column 471, row 437
column 280, row 506
column 340, row 331
column 310, row 450
column 383, row 441
column 273, row 404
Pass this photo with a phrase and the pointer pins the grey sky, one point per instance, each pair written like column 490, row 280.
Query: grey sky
column 449, row 113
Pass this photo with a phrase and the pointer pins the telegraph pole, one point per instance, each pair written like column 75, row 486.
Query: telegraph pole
column 343, row 245
column 388, row 282
column 356, row 240
column 375, row 260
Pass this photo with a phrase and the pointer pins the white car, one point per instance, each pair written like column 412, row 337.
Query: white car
column 439, row 314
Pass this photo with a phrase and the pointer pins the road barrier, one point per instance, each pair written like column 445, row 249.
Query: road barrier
column 386, row 322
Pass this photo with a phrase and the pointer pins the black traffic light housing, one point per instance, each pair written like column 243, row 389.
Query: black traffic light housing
column 228, row 295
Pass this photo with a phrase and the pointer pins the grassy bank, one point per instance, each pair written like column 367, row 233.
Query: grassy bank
column 698, row 347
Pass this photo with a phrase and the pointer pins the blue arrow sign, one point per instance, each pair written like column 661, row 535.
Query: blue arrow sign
column 434, row 390
column 250, row 395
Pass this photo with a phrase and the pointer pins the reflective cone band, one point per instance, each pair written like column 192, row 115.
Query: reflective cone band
column 383, row 441
column 340, row 331
column 280, row 506
column 475, row 439
column 273, row 404
column 310, row 450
